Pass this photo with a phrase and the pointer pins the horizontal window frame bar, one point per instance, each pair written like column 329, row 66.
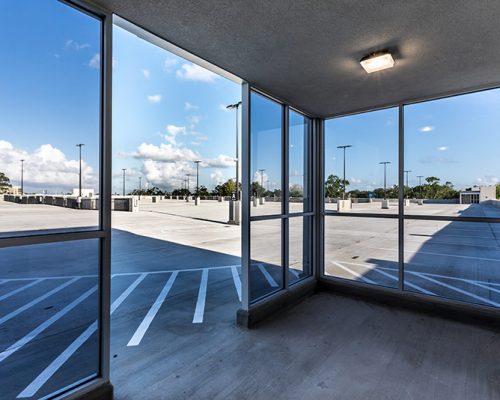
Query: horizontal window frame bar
column 52, row 238
column 415, row 217
column 281, row 216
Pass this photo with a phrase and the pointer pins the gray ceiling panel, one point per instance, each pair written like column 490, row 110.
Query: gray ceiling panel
column 308, row 52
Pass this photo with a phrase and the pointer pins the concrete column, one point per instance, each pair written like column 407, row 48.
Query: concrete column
column 344, row 205
column 234, row 212
column 385, row 204
column 262, row 201
column 255, row 201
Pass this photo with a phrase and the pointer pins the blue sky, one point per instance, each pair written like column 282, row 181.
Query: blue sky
column 456, row 139
column 168, row 112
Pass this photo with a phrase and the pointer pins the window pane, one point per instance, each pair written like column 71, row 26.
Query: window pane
column 299, row 162
column 362, row 249
column 451, row 149
column 266, row 271
column 300, row 245
column 457, row 260
column 50, row 298
column 265, row 155
column 367, row 144
column 50, row 103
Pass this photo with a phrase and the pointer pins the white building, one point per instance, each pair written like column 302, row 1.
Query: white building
column 477, row 194
column 85, row 192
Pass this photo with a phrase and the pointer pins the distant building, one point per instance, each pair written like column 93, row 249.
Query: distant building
column 15, row 190
column 477, row 194
column 85, row 192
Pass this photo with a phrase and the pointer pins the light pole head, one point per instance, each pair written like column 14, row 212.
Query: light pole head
column 344, row 146
column 233, row 106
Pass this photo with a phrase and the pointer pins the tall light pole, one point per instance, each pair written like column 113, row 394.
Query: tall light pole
column 385, row 174
column 420, row 184
column 235, row 106
column 345, row 146
column 407, row 180
column 197, row 162
column 22, row 177
column 140, row 184
column 188, row 175
column 261, row 171
column 79, row 145
column 123, row 191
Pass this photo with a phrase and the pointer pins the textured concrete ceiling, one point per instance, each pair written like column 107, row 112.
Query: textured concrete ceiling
column 307, row 52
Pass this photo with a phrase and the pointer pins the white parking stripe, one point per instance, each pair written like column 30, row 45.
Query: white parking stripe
column 37, row 300
column 143, row 327
column 356, row 274
column 54, row 366
column 465, row 292
column 431, row 253
column 16, row 291
column 267, row 275
column 396, row 278
column 40, row 328
column 237, row 281
column 202, row 294
column 483, row 286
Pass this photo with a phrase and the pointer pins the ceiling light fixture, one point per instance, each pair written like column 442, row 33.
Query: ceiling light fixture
column 377, row 61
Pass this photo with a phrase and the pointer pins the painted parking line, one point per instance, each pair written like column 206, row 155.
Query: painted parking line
column 396, row 278
column 354, row 273
column 146, row 322
column 37, row 300
column 438, row 254
column 267, row 275
column 465, row 292
column 54, row 366
column 237, row 281
column 484, row 286
column 18, row 290
column 40, row 328
column 202, row 295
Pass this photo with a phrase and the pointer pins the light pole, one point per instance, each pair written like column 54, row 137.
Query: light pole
column 407, row 180
column 188, row 175
column 22, row 177
column 197, row 162
column 140, row 184
column 79, row 145
column 345, row 146
column 385, row 174
column 235, row 106
column 420, row 184
column 123, row 191
column 261, row 171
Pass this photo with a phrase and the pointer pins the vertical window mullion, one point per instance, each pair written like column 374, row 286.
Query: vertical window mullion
column 285, row 195
column 401, row 184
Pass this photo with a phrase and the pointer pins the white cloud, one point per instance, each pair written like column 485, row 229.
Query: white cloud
column 194, row 72
column 188, row 106
column 95, row 61
column 167, row 175
column 442, row 148
column 217, row 177
column 154, row 98
column 260, row 177
column 221, row 161
column 45, row 168
column 426, row 129
column 165, row 152
column 169, row 63
column 194, row 119
column 146, row 73
column 72, row 44
column 488, row 180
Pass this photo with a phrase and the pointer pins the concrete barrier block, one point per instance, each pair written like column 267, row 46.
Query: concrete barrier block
column 344, row 205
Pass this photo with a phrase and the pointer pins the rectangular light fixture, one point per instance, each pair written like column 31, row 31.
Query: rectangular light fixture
column 377, row 62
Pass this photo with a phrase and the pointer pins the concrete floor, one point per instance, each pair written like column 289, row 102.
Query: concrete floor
column 328, row 347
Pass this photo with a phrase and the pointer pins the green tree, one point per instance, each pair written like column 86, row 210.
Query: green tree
column 498, row 192
column 4, row 183
column 225, row 189
column 334, row 186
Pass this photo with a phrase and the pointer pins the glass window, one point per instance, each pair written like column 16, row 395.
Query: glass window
column 361, row 163
column 453, row 259
column 50, row 125
column 266, row 271
column 451, row 153
column 300, row 246
column 48, row 299
column 362, row 249
column 265, row 155
column 299, row 146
